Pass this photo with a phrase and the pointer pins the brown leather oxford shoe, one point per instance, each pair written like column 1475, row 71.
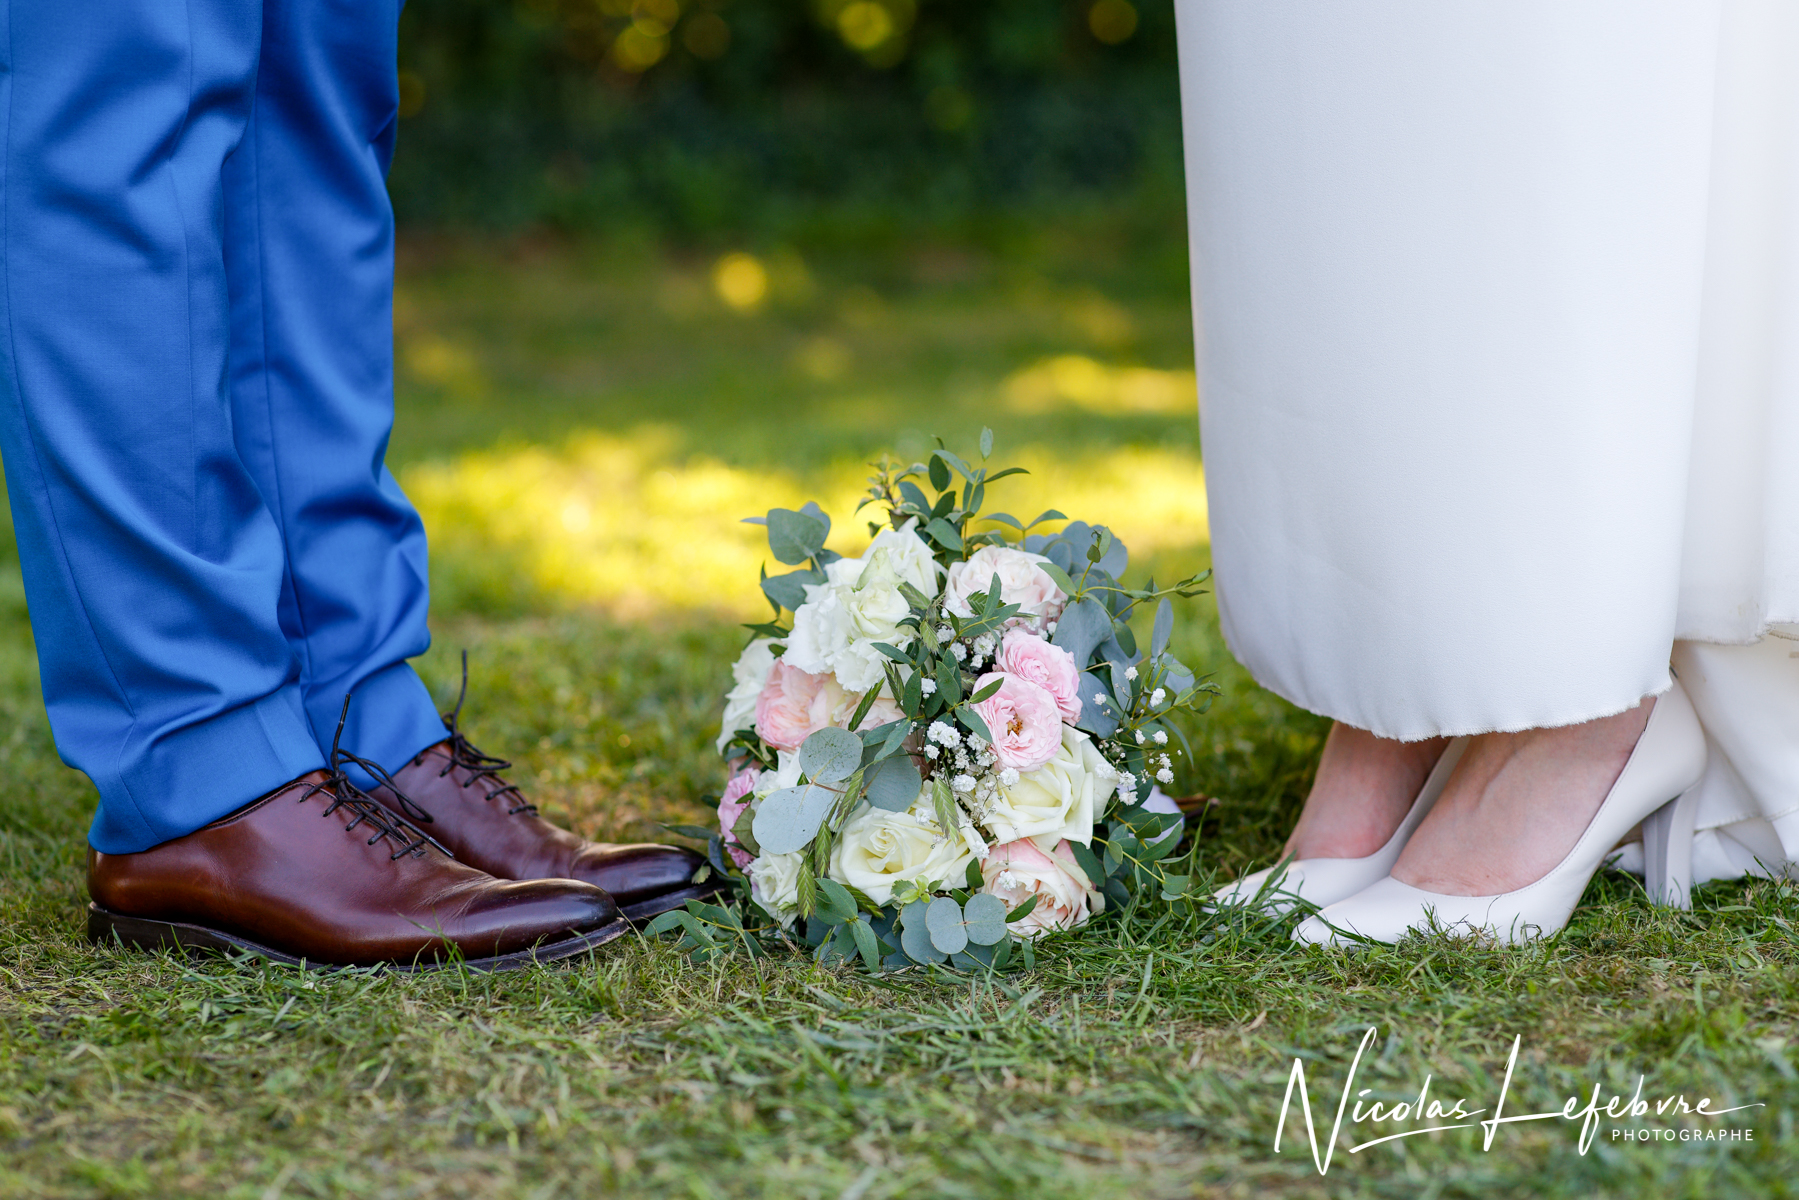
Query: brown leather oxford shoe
column 317, row 871
column 457, row 793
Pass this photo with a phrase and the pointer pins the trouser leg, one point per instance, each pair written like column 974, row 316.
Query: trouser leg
column 152, row 568
column 310, row 257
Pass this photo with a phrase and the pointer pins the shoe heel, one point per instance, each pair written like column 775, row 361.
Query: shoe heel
column 1668, row 851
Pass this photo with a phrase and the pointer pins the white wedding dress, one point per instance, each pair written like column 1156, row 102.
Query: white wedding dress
column 1498, row 316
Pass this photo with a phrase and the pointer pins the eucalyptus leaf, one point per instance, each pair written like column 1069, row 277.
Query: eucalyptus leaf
column 894, row 783
column 1023, row 910
column 788, row 820
column 830, row 755
column 974, row 723
column 794, row 537
column 984, row 918
column 943, row 918
column 1082, row 626
column 743, row 830
column 1164, row 629
column 789, row 590
column 915, row 938
column 914, row 495
column 811, row 509
column 986, row 441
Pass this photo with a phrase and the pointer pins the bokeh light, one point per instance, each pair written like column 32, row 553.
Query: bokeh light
column 1112, row 21
column 741, row 281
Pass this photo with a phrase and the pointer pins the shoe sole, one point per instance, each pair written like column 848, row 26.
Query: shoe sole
column 143, row 933
column 644, row 911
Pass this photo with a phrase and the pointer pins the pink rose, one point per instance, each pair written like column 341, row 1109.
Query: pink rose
column 1018, row 870
column 1051, row 668
column 731, row 806
column 794, row 705
column 1038, row 598
column 1024, row 719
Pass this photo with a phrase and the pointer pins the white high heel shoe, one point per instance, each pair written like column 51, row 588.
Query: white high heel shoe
column 1322, row 881
column 1668, row 759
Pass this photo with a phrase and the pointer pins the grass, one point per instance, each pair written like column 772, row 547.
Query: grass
column 1147, row 1057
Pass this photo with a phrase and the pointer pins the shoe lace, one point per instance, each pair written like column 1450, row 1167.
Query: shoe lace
column 365, row 809
column 480, row 766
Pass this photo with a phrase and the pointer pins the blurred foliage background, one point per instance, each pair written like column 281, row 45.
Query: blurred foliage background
column 805, row 120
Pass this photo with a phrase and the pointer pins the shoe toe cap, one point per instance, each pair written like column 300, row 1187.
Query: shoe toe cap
column 637, row 872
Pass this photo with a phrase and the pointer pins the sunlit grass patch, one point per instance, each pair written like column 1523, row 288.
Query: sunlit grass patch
column 630, row 522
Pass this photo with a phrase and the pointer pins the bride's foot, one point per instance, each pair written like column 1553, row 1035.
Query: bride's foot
column 1364, row 787
column 1516, row 805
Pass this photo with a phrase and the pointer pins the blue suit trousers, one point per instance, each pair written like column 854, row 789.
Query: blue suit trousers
column 196, row 288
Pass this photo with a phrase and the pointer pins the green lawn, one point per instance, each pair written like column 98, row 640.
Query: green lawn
column 583, row 424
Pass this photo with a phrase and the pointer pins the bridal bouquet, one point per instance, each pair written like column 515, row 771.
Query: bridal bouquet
column 948, row 745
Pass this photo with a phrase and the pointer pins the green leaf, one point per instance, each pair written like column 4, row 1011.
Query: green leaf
column 987, row 689
column 973, row 876
column 868, row 700
column 1058, row 575
column 789, row 591
column 984, row 919
column 788, row 820
column 1164, row 629
column 954, row 461
column 865, row 944
column 697, row 832
column 939, row 469
column 1088, row 861
column 943, row 805
column 949, row 681
column 745, row 835
column 914, row 495
column 665, row 923
column 943, row 920
column 944, row 534
column 1004, row 519
column 769, row 629
column 913, row 695
column 1048, row 514
column 1023, row 910
column 915, row 938
column 986, row 442
column 971, row 720
column 794, row 537
column 835, row 904
column 894, row 783
column 830, row 755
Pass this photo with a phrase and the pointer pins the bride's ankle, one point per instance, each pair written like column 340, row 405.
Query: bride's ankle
column 1364, row 787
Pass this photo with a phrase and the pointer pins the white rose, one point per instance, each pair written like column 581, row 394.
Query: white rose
column 879, row 849
column 1058, row 800
column 747, row 679
column 860, row 604
column 1038, row 598
column 775, row 885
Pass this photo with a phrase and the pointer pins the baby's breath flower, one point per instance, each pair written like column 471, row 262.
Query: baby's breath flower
column 928, row 686
column 958, row 651
column 1165, row 775
column 1130, row 672
column 944, row 733
column 1161, row 737
column 931, row 752
column 1009, row 776
column 1157, row 696
column 945, row 633
column 962, row 783
column 1139, row 737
